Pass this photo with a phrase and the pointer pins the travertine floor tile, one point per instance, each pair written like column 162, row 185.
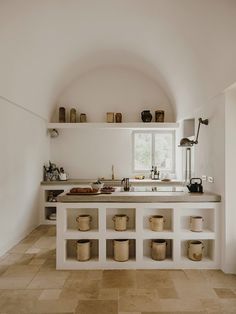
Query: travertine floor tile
column 217, row 279
column 151, row 293
column 45, row 243
column 97, row 306
column 193, row 290
column 119, row 279
column 181, row 305
column 48, row 280
column 37, row 261
column 129, row 313
column 20, row 248
column 55, row 306
column 228, row 306
column 20, row 270
column 139, row 303
column 50, row 294
column 225, row 293
column 196, row 275
column 211, row 305
column 32, row 250
column 167, row 293
column 18, row 301
column 153, row 279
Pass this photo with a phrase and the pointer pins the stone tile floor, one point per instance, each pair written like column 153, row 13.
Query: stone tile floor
column 30, row 284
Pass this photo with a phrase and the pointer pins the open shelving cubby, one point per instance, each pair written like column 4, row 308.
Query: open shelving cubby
column 147, row 251
column 71, row 251
column 48, row 207
column 110, row 251
column 111, row 212
column 167, row 213
column 209, row 222
column 208, row 253
column 73, row 213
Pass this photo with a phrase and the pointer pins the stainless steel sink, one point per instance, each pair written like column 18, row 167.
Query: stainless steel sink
column 155, row 189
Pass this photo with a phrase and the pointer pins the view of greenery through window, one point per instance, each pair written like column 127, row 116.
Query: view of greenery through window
column 153, row 149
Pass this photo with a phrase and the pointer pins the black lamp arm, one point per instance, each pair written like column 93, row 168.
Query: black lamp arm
column 200, row 121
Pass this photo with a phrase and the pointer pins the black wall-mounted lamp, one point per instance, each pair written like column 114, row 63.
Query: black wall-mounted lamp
column 185, row 142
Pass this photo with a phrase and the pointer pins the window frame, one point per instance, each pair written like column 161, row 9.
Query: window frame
column 153, row 132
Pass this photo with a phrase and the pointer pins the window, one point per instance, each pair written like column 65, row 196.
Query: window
column 155, row 148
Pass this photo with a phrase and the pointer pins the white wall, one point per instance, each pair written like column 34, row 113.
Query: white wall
column 54, row 39
column 230, row 175
column 115, row 89
column 91, row 153
column 23, row 150
column 210, row 157
column 210, row 151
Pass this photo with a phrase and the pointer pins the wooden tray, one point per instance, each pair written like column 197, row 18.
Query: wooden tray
column 92, row 193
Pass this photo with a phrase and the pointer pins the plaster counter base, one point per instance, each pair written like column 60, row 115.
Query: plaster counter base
column 176, row 233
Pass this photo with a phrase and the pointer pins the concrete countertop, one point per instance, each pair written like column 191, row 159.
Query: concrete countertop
column 141, row 197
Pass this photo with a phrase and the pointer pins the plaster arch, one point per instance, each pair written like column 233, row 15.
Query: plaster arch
column 118, row 88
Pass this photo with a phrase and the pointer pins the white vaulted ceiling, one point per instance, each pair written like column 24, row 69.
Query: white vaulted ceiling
column 187, row 46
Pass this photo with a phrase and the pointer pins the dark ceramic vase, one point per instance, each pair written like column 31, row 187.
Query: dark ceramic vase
column 146, row 116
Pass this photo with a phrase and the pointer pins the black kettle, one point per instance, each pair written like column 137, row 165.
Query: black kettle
column 195, row 185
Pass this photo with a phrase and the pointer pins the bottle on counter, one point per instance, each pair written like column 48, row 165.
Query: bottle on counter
column 156, row 174
column 152, row 173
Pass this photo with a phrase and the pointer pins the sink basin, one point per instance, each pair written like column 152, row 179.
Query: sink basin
column 155, row 189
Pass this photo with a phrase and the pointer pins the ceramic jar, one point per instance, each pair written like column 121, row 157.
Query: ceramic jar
column 84, row 222
column 156, row 222
column 146, row 116
column 118, row 117
column 110, row 117
column 120, row 222
column 159, row 115
column 195, row 250
column 158, row 249
column 72, row 115
column 83, row 118
column 196, row 223
column 62, row 114
column 83, row 250
column 121, row 250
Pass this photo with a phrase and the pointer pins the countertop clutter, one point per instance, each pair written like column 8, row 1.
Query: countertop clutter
column 142, row 197
column 112, row 182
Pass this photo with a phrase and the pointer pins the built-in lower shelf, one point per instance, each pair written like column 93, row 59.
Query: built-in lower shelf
column 176, row 233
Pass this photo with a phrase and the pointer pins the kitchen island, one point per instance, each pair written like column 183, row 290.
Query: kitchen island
column 176, row 208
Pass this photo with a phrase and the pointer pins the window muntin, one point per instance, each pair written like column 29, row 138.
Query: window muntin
column 156, row 148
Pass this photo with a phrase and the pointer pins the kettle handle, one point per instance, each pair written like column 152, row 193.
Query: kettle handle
column 200, row 180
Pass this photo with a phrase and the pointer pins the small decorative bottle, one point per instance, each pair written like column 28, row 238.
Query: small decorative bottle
column 152, row 173
column 156, row 174
column 62, row 114
column 73, row 115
